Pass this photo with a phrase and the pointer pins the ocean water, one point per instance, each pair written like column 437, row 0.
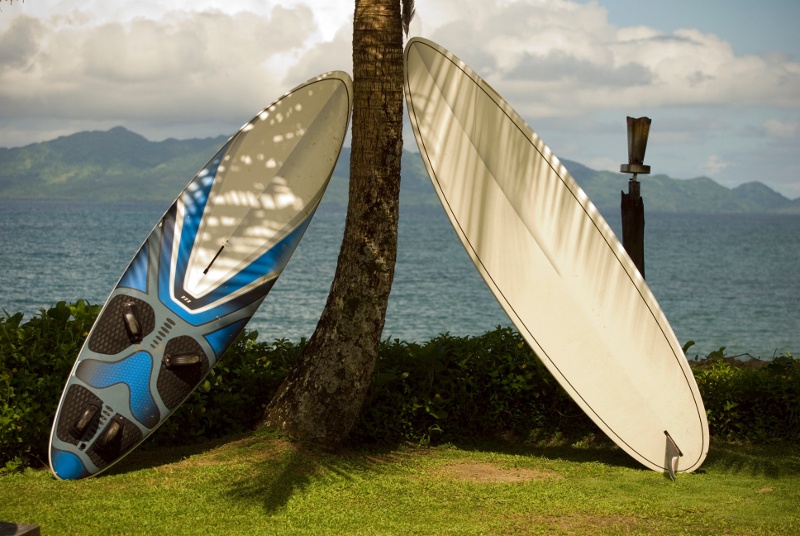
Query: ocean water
column 722, row 280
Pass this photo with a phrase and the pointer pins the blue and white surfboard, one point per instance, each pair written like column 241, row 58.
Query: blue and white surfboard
column 199, row 277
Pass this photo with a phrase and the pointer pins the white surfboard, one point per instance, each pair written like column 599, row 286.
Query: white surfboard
column 553, row 263
column 199, row 277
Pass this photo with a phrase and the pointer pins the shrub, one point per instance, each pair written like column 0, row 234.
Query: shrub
column 35, row 360
column 753, row 400
column 465, row 387
column 447, row 389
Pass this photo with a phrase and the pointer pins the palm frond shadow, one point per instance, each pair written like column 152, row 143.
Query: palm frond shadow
column 273, row 482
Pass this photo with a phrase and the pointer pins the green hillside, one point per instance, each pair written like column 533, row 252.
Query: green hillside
column 103, row 166
column 122, row 165
column 664, row 194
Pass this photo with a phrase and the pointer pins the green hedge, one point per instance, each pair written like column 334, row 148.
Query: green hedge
column 447, row 389
column 453, row 388
column 35, row 359
column 755, row 401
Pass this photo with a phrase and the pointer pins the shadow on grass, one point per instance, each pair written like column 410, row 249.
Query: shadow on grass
column 282, row 475
column 771, row 460
column 273, row 483
column 591, row 449
column 147, row 457
column 278, row 470
column 774, row 460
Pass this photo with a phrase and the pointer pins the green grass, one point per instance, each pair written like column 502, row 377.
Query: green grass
column 266, row 485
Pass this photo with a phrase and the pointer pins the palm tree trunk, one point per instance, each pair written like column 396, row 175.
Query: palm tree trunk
column 322, row 396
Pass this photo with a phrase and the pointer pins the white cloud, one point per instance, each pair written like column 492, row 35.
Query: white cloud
column 714, row 165
column 178, row 66
column 550, row 58
column 561, row 57
column 336, row 54
column 199, row 67
column 776, row 128
column 603, row 164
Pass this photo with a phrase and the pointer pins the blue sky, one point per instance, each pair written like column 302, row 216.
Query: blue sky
column 720, row 79
column 750, row 27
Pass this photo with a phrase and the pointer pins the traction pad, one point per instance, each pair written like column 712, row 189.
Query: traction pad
column 176, row 383
column 110, row 334
column 78, row 397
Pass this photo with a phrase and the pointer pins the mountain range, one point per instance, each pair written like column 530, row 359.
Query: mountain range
column 119, row 165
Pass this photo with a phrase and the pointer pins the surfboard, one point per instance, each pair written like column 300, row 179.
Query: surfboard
column 554, row 264
column 199, row 277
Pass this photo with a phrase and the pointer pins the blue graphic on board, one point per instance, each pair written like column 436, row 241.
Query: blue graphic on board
column 134, row 372
column 268, row 263
column 67, row 465
column 194, row 202
column 136, row 275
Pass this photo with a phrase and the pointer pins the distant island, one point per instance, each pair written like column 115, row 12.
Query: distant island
column 120, row 165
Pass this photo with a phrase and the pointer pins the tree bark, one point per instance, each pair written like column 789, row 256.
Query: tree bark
column 322, row 396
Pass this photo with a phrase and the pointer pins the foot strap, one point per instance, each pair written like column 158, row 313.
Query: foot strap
column 182, row 360
column 130, row 317
column 83, row 422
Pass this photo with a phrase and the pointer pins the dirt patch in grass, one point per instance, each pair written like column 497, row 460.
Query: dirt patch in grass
column 483, row 472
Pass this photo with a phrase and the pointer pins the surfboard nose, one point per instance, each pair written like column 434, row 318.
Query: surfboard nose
column 66, row 466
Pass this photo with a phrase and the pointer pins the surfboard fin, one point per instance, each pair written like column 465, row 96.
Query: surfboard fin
column 79, row 427
column 182, row 360
column 133, row 327
column 671, row 455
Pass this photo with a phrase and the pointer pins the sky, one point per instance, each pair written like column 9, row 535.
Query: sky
column 720, row 79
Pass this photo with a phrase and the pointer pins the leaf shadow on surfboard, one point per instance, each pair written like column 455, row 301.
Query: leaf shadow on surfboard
column 553, row 263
